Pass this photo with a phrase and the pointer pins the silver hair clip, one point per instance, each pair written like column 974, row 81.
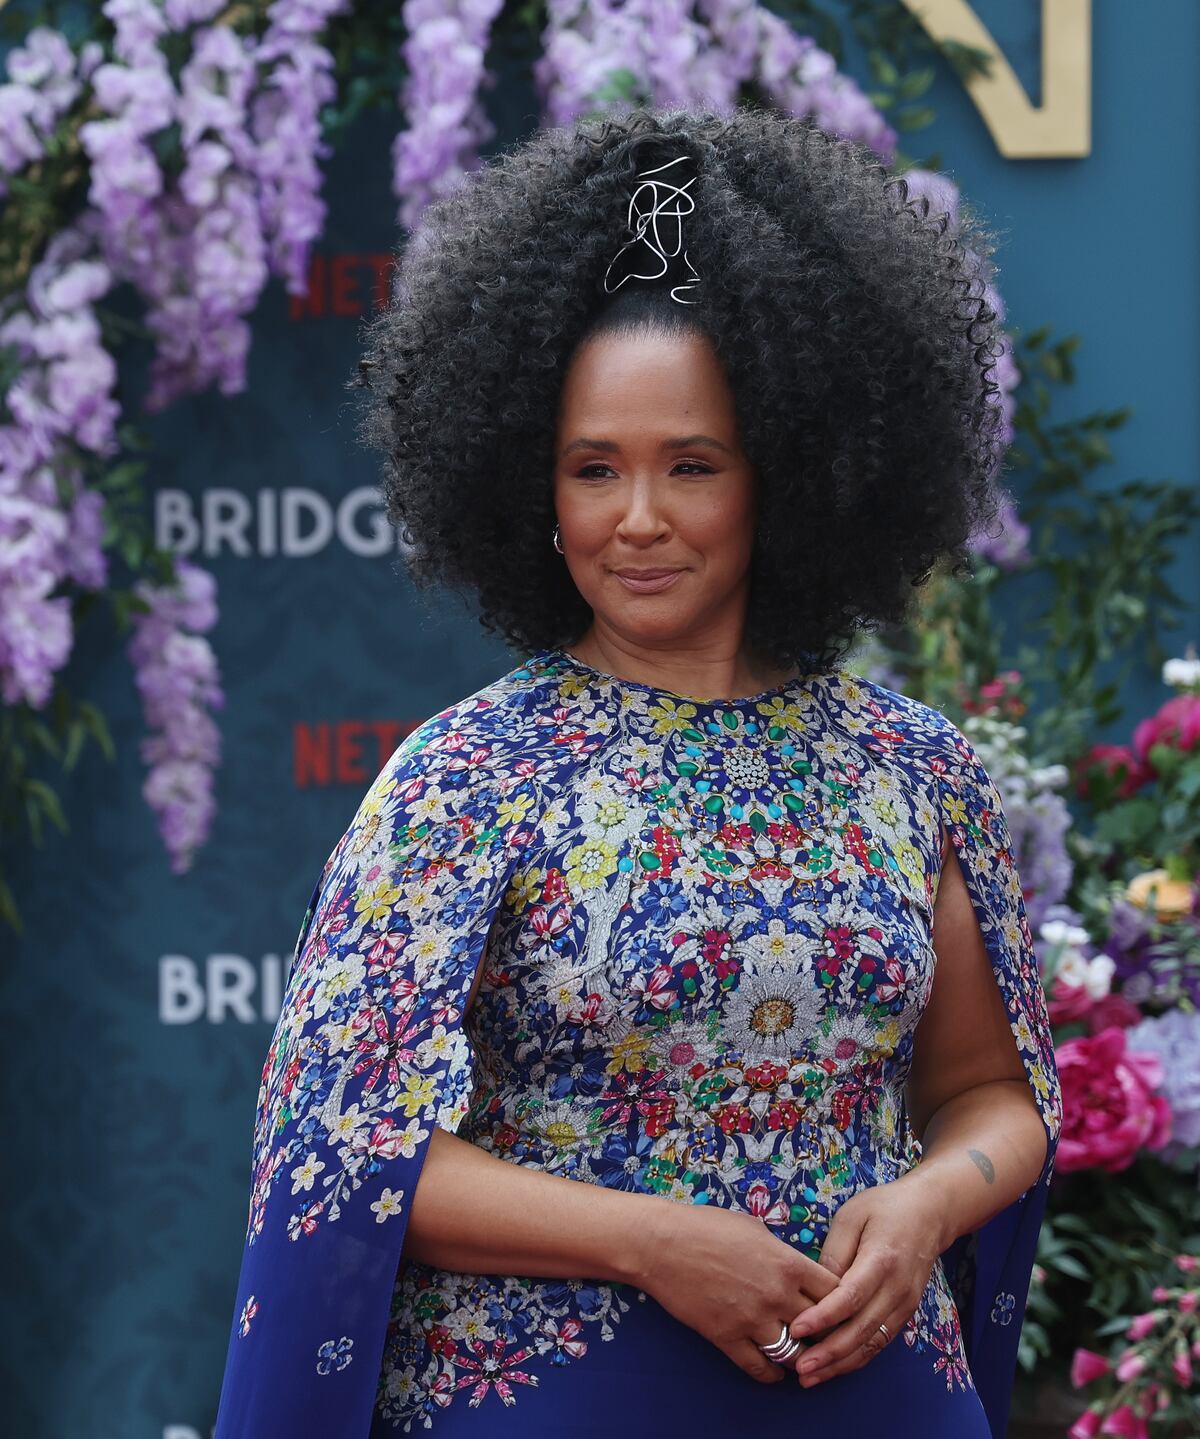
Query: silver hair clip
column 646, row 230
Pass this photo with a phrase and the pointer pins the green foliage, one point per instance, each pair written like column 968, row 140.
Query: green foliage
column 27, row 737
column 1095, row 594
column 1101, row 1243
column 1105, row 548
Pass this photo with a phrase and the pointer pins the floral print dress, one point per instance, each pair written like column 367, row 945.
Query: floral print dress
column 708, row 947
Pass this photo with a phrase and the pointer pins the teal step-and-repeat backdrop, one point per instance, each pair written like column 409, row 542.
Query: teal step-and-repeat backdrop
column 138, row 1006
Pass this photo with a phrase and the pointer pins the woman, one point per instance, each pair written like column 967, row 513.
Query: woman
column 613, row 1087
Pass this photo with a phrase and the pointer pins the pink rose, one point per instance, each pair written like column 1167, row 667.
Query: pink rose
column 1176, row 724
column 1113, row 1009
column 1114, row 760
column 1109, row 1112
column 1067, row 1002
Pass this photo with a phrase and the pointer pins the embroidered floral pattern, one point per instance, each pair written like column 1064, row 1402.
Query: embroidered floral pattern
column 334, row 1355
column 708, row 931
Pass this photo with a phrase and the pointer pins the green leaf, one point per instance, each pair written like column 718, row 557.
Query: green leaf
column 8, row 907
column 915, row 84
column 96, row 723
column 915, row 117
column 44, row 738
column 45, row 797
column 1067, row 1265
column 883, row 70
column 76, row 734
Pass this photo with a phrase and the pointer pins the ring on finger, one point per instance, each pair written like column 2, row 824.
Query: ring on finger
column 869, row 1344
column 783, row 1348
column 872, row 1345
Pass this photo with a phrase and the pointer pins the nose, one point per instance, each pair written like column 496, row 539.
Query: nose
column 642, row 518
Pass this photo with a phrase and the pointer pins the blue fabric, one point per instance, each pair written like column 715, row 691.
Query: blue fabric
column 708, row 933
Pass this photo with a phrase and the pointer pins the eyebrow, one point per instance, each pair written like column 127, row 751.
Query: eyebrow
column 676, row 442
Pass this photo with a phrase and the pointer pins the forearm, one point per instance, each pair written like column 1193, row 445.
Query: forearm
column 980, row 1151
column 474, row 1213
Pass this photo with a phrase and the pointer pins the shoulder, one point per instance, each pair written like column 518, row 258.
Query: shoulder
column 507, row 735
column 895, row 725
column 467, row 780
column 925, row 744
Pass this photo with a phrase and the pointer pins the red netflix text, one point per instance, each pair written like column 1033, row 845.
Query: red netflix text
column 343, row 286
column 344, row 751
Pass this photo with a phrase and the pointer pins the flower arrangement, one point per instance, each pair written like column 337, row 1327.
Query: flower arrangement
column 1114, row 905
column 1152, row 1371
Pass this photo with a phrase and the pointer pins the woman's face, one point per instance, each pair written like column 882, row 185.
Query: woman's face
column 650, row 478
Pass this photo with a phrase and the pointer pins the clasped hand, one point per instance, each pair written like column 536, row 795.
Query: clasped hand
column 724, row 1274
column 882, row 1244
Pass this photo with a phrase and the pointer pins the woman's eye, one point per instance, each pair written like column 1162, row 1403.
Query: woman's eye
column 586, row 473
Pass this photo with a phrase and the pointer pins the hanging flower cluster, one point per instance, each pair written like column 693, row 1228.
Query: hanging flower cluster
column 177, row 680
column 198, row 242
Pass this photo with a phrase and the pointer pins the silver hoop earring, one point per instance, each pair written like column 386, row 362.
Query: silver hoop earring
column 557, row 541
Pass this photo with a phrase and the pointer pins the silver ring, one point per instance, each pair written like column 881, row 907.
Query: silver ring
column 886, row 1335
column 783, row 1349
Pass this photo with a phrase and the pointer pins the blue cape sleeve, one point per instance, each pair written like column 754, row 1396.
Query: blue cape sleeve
column 989, row 1269
column 367, row 1057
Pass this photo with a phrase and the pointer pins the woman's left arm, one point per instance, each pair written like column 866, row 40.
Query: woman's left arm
column 983, row 1144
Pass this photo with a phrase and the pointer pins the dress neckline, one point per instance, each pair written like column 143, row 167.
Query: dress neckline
column 802, row 680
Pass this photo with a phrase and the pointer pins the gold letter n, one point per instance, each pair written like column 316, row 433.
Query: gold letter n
column 1062, row 124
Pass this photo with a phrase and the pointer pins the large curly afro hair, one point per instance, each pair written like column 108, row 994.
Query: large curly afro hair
column 852, row 325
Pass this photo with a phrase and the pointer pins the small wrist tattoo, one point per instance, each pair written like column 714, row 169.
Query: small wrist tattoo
column 983, row 1164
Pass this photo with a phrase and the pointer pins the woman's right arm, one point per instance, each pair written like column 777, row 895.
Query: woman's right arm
column 720, row 1271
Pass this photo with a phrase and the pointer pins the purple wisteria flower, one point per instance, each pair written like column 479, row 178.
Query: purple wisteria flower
column 804, row 80
column 45, row 78
column 1007, row 546
column 177, row 679
column 296, row 80
column 660, row 51
column 445, row 120
column 51, row 530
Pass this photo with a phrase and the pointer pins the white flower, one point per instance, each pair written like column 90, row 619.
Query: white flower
column 410, row 1137
column 773, row 1012
column 1099, row 976
column 304, row 1174
column 1094, row 975
column 1059, row 932
column 470, row 1321
column 683, row 1044
column 345, row 1127
column 387, row 1204
column 1183, row 673
column 344, row 975
column 441, row 1044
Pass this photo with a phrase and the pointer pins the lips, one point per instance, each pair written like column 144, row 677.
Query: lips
column 647, row 582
